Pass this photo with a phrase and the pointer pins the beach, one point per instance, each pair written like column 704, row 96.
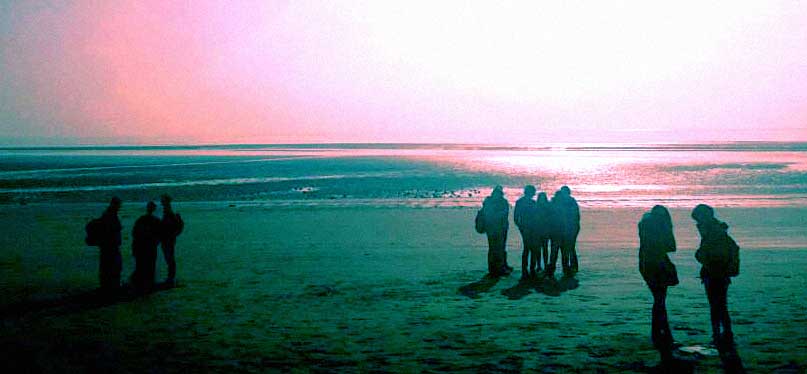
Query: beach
column 384, row 288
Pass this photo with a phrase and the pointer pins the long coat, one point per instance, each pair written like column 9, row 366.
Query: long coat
column 656, row 239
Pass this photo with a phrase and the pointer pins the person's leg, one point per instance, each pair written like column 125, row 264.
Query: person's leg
column 664, row 322
column 137, row 274
column 550, row 269
column 117, row 268
column 168, row 253
column 660, row 330
column 564, row 255
column 503, row 253
column 714, row 308
column 493, row 268
column 525, row 254
column 728, row 335
column 544, row 252
column 535, row 255
column 146, row 268
column 103, row 269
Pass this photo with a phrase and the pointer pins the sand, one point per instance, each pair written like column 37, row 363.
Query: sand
column 267, row 288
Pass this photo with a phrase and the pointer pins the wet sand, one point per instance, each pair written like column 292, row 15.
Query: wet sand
column 383, row 289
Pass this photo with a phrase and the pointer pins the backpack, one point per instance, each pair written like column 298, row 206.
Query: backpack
column 479, row 222
column 94, row 231
column 180, row 224
column 733, row 266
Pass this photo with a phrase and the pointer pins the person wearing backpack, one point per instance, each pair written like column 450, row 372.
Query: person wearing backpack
column 656, row 239
column 495, row 214
column 145, row 239
column 720, row 257
column 171, row 226
column 108, row 239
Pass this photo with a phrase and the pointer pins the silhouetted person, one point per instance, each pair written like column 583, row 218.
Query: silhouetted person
column 571, row 228
column 496, row 211
column 145, row 239
column 556, row 231
column 720, row 259
column 656, row 239
column 172, row 226
column 543, row 229
column 524, row 216
column 109, row 242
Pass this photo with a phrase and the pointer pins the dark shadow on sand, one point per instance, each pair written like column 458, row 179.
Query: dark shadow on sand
column 674, row 366
column 521, row 289
column 483, row 285
column 547, row 285
column 730, row 359
column 76, row 303
column 552, row 286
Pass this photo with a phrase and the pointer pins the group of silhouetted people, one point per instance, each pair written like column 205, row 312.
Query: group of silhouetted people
column 148, row 233
column 554, row 225
column 718, row 254
column 546, row 227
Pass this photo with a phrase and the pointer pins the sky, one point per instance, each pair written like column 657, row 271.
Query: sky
column 190, row 72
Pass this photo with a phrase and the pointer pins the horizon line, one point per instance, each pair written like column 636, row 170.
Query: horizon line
column 616, row 145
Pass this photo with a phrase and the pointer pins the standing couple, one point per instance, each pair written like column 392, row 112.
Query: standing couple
column 718, row 254
column 540, row 222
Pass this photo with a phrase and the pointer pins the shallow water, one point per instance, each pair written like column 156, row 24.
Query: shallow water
column 726, row 174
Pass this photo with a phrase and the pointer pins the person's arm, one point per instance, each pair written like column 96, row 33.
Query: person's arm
column 669, row 242
column 701, row 254
column 517, row 214
column 135, row 234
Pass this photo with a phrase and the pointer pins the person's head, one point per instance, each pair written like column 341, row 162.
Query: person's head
column 165, row 200
column 702, row 213
column 151, row 207
column 661, row 212
column 566, row 190
column 542, row 197
column 529, row 190
column 115, row 204
column 498, row 191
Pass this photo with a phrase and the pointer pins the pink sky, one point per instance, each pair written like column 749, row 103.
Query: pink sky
column 311, row 71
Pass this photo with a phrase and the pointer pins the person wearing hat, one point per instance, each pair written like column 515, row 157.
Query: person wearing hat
column 496, row 212
column 145, row 239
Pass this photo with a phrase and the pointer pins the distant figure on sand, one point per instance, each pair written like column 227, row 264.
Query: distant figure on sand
column 109, row 241
column 495, row 212
column 525, row 216
column 720, row 257
column 656, row 239
column 571, row 228
column 172, row 226
column 145, row 239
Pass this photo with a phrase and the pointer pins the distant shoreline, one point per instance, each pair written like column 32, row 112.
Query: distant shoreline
column 712, row 146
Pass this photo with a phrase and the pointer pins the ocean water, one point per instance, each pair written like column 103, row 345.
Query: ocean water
column 621, row 175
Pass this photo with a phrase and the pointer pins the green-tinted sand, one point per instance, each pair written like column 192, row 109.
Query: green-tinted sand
column 379, row 289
